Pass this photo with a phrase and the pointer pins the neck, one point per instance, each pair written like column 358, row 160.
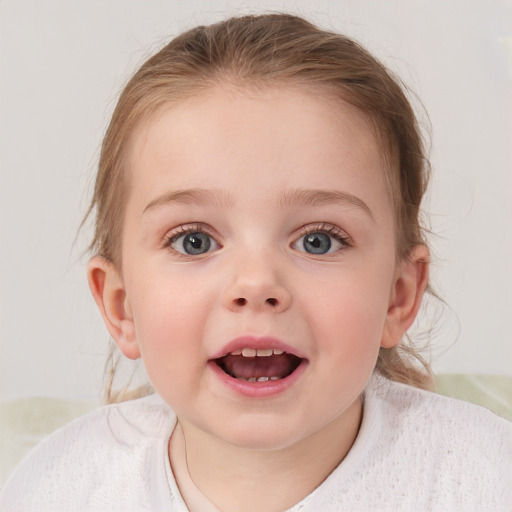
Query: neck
column 235, row 478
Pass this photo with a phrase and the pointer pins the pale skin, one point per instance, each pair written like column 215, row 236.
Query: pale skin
column 257, row 172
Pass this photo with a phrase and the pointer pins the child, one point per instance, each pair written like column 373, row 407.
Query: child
column 257, row 244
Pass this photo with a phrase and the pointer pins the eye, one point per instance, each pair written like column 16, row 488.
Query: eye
column 317, row 243
column 192, row 242
column 322, row 240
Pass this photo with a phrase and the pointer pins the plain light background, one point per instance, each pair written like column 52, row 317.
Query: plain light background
column 62, row 65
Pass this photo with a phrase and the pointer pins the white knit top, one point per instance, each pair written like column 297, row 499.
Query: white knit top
column 415, row 451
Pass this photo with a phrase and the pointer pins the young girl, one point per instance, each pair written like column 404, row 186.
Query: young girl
column 257, row 244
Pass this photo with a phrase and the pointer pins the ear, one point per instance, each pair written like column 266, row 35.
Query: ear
column 107, row 287
column 409, row 285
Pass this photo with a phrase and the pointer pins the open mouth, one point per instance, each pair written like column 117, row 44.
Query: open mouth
column 258, row 365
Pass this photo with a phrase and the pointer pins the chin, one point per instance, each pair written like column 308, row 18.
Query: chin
column 262, row 435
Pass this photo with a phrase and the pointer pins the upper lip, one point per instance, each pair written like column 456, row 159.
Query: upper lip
column 257, row 342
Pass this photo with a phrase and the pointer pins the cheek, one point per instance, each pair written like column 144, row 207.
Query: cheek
column 348, row 315
column 169, row 337
column 168, row 321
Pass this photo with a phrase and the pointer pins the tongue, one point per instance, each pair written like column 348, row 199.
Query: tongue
column 272, row 366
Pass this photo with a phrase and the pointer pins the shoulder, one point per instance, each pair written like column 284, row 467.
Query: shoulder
column 417, row 450
column 449, row 452
column 103, row 454
column 426, row 411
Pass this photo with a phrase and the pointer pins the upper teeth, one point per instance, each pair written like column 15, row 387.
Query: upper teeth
column 253, row 352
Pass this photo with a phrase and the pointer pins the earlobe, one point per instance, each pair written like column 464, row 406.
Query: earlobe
column 107, row 287
column 409, row 286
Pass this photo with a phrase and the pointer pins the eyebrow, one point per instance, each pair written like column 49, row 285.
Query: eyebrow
column 304, row 197
column 192, row 196
column 292, row 198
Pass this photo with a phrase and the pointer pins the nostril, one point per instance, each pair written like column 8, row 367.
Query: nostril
column 271, row 301
column 241, row 301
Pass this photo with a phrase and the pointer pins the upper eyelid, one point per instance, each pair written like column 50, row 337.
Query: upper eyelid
column 181, row 230
column 324, row 227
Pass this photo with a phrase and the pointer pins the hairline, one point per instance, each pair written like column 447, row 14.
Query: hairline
column 147, row 109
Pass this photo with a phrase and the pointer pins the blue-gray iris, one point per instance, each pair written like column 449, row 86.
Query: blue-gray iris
column 317, row 243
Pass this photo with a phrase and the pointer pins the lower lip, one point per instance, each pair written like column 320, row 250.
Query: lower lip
column 259, row 389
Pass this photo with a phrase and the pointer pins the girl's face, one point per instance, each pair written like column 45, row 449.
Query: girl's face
column 258, row 221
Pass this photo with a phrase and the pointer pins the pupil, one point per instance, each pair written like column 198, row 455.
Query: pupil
column 196, row 243
column 317, row 243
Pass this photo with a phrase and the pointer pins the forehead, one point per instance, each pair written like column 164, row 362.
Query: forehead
column 279, row 136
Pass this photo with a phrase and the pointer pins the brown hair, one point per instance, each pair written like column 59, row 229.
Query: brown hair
column 265, row 51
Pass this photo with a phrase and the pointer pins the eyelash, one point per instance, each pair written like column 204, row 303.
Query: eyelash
column 330, row 229
column 183, row 230
column 333, row 231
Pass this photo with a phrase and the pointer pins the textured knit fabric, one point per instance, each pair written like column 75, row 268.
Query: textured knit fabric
column 416, row 451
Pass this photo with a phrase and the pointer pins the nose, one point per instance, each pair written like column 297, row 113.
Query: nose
column 256, row 287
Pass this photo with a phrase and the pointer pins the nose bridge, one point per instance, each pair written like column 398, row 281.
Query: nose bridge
column 256, row 282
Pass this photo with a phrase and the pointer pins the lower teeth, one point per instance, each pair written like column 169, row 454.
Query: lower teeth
column 258, row 379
